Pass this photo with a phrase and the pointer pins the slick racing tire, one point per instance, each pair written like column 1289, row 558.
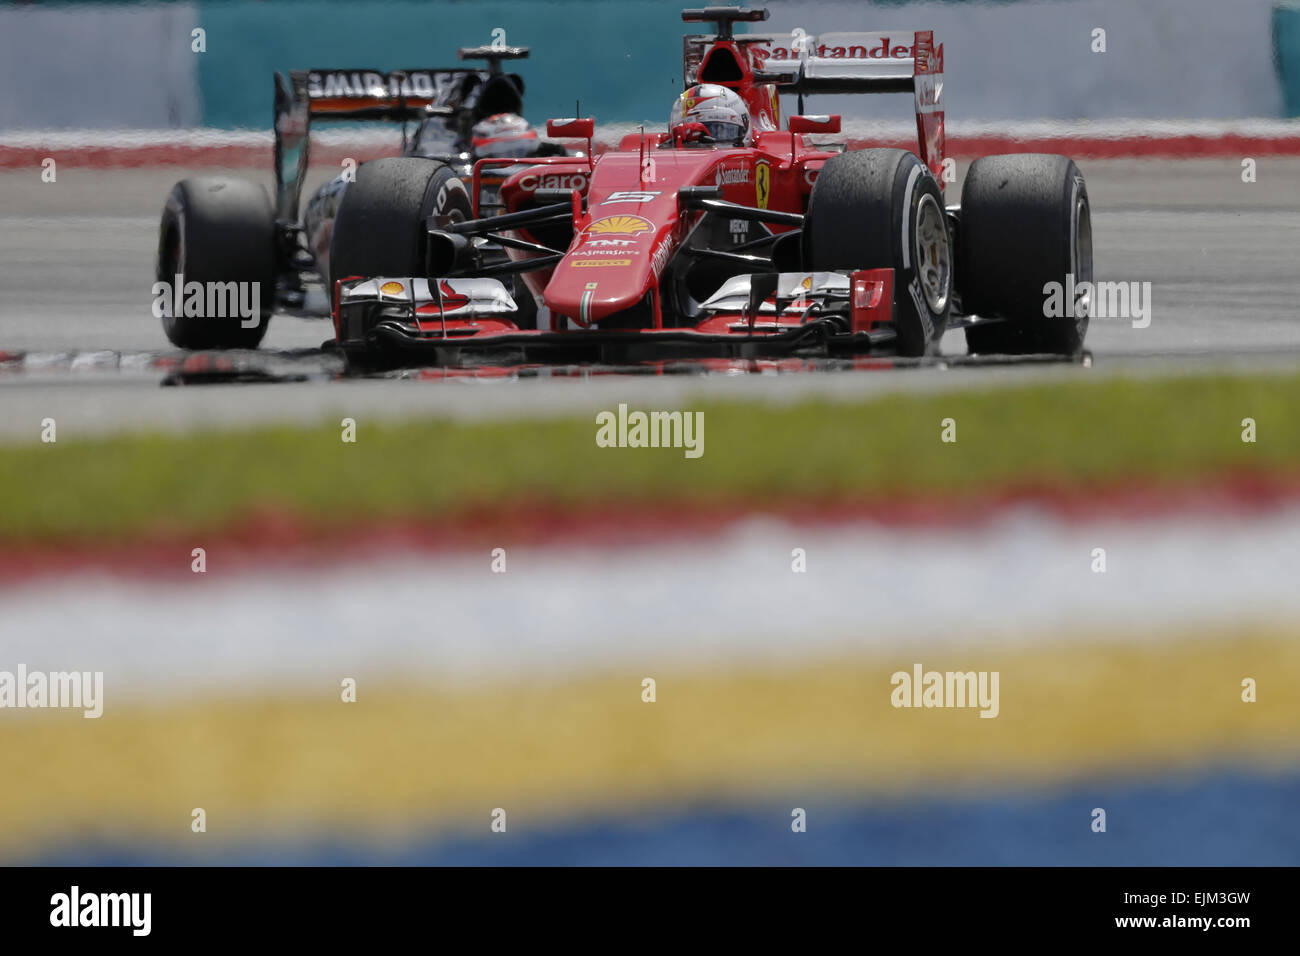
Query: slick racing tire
column 1025, row 222
column 882, row 208
column 217, row 230
column 381, row 226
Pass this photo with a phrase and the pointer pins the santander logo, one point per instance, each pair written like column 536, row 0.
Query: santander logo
column 868, row 48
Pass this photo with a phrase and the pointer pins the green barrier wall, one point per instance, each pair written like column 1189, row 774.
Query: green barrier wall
column 631, row 73
column 1286, row 46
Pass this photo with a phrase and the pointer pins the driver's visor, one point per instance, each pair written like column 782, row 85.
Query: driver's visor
column 724, row 132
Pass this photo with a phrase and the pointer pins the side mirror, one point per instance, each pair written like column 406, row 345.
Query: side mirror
column 693, row 197
column 571, row 128
column 445, row 252
column 815, row 124
column 569, row 197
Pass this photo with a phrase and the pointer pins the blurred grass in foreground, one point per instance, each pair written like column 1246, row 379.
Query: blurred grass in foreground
column 1077, row 434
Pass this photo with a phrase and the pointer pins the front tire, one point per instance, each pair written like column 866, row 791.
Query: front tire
column 1025, row 222
column 381, row 226
column 216, row 229
column 882, row 208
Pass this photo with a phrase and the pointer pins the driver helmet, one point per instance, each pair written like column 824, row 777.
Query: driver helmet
column 720, row 111
column 503, row 134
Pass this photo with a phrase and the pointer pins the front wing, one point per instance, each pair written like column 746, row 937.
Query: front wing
column 448, row 321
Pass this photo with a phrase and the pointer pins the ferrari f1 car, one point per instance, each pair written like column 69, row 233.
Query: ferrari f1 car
column 220, row 229
column 731, row 234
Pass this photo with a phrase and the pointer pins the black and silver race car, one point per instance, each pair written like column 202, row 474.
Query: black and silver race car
column 221, row 229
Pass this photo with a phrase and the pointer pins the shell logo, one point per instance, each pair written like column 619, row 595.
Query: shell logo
column 806, row 283
column 619, row 225
column 392, row 288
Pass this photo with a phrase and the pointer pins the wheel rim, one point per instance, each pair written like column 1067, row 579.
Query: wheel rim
column 1082, row 259
column 933, row 256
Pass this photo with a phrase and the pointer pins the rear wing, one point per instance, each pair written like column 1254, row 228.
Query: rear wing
column 372, row 94
column 834, row 63
column 306, row 96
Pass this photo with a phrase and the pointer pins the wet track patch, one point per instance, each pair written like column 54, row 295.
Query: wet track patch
column 301, row 365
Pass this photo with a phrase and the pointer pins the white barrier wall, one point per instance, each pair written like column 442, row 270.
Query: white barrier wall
column 98, row 67
column 1210, row 59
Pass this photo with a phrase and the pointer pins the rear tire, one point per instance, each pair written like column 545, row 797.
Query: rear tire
column 217, row 229
column 882, row 208
column 1025, row 222
column 381, row 226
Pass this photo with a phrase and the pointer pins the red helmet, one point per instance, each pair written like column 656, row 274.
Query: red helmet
column 720, row 111
column 504, row 134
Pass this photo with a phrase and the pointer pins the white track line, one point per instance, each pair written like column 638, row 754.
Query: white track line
column 731, row 602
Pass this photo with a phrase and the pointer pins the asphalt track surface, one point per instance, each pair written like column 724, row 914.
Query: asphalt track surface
column 76, row 261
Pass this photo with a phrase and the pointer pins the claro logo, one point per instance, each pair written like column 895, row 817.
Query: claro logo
column 553, row 181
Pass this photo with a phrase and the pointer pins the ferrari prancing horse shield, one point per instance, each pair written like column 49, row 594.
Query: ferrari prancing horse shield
column 763, row 183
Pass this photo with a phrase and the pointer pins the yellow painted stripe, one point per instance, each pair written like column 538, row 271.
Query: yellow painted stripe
column 405, row 757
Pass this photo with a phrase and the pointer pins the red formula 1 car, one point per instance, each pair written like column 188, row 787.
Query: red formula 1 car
column 731, row 234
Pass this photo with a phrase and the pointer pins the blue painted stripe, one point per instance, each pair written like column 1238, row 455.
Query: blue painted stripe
column 1226, row 818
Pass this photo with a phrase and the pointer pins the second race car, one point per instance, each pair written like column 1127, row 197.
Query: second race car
column 222, row 229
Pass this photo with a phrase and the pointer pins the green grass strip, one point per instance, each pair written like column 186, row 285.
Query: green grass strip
column 1077, row 433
